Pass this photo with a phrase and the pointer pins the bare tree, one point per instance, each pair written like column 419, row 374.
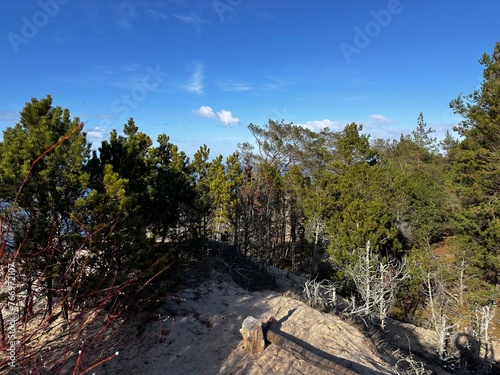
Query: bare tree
column 377, row 283
column 438, row 302
column 484, row 317
column 321, row 295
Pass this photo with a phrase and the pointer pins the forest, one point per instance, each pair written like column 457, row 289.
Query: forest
column 407, row 228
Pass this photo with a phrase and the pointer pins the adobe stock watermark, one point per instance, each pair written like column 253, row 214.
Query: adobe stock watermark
column 283, row 115
column 363, row 36
column 223, row 6
column 12, row 320
column 31, row 26
column 130, row 100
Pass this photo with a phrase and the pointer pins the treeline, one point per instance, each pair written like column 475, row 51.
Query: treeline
column 86, row 227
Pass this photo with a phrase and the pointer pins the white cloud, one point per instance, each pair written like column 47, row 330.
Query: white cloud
column 205, row 111
column 96, row 134
column 318, row 125
column 195, row 83
column 224, row 116
column 375, row 123
column 380, row 126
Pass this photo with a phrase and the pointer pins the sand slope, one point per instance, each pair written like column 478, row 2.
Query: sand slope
column 198, row 333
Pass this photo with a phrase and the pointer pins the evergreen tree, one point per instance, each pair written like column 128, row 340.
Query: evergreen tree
column 128, row 158
column 426, row 145
column 476, row 161
column 202, row 208
column 42, row 162
column 170, row 190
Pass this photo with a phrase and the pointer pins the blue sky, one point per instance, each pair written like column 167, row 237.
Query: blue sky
column 201, row 71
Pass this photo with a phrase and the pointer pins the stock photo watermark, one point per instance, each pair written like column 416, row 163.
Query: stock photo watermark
column 283, row 115
column 363, row 36
column 130, row 100
column 13, row 316
column 30, row 26
column 222, row 7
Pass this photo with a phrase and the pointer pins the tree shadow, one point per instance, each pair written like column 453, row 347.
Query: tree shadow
column 319, row 357
column 469, row 349
column 278, row 323
column 465, row 350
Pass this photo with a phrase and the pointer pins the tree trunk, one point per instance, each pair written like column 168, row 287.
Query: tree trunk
column 246, row 235
column 2, row 328
column 50, row 295
column 368, row 276
column 235, row 229
column 316, row 240
column 253, row 335
column 28, row 302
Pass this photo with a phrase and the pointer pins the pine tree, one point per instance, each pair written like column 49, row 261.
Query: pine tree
column 426, row 145
column 42, row 162
column 476, row 161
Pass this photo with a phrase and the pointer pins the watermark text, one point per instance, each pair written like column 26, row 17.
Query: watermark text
column 363, row 36
column 13, row 317
column 39, row 19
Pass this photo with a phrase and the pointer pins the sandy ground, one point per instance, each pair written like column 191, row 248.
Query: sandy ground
column 198, row 333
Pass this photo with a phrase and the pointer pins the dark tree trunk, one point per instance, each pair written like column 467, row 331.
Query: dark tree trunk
column 50, row 295
column 28, row 303
column 2, row 327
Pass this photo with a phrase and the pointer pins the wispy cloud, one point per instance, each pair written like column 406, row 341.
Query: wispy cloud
column 274, row 84
column 124, row 13
column 129, row 68
column 192, row 19
column 109, row 70
column 195, row 83
column 121, row 76
column 129, row 15
column 9, row 116
column 230, row 85
column 380, row 119
column 157, row 16
column 224, row 116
